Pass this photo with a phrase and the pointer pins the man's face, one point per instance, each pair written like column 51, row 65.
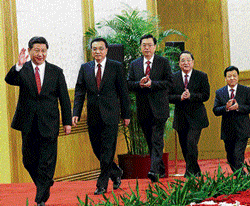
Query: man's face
column 232, row 78
column 186, row 63
column 99, row 51
column 148, row 48
column 38, row 53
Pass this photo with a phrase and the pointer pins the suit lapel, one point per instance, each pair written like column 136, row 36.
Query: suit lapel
column 141, row 67
column 180, row 80
column 192, row 79
column 31, row 77
column 105, row 73
column 46, row 78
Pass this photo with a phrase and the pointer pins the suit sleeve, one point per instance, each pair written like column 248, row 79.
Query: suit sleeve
column 64, row 100
column 245, row 107
column 204, row 93
column 167, row 82
column 80, row 92
column 13, row 77
column 122, row 90
column 219, row 107
column 133, row 84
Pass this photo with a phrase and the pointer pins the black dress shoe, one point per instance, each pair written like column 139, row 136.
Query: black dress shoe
column 117, row 182
column 153, row 176
column 41, row 204
column 100, row 191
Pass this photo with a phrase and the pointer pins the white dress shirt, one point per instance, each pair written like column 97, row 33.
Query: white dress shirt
column 103, row 63
column 230, row 92
column 188, row 77
column 145, row 63
column 41, row 70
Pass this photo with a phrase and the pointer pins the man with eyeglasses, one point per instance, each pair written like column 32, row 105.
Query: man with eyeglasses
column 189, row 92
column 150, row 77
column 107, row 100
column 232, row 102
column 41, row 86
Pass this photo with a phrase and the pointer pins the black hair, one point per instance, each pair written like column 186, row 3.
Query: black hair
column 37, row 40
column 231, row 68
column 99, row 39
column 148, row 36
column 186, row 52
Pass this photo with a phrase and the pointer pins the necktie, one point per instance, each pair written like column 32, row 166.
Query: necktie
column 38, row 80
column 232, row 93
column 186, row 81
column 98, row 75
column 148, row 68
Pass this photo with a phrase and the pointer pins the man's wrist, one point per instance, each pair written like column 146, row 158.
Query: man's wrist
column 18, row 68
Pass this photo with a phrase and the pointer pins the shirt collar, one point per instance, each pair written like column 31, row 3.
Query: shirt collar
column 151, row 60
column 103, row 63
column 189, row 74
column 41, row 66
column 234, row 88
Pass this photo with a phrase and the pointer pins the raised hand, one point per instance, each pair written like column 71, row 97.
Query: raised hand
column 22, row 58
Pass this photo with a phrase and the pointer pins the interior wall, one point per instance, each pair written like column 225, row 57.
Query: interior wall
column 60, row 22
column 238, row 17
column 206, row 25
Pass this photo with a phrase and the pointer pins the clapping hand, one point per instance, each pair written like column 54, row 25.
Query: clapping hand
column 145, row 82
column 185, row 95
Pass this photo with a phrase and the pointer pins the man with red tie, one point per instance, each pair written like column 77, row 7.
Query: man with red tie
column 150, row 77
column 41, row 85
column 107, row 101
column 190, row 89
column 232, row 102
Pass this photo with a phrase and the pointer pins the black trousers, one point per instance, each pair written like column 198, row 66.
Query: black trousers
column 189, row 138
column 103, row 138
column 39, row 158
column 153, row 130
column 235, row 149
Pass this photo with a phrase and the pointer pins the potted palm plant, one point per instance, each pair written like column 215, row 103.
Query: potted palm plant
column 127, row 29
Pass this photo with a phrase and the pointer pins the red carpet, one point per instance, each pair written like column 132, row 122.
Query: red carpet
column 65, row 193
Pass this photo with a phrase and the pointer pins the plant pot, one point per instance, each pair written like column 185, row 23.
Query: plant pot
column 138, row 166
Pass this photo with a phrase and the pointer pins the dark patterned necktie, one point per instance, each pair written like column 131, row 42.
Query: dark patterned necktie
column 148, row 68
column 232, row 93
column 98, row 76
column 186, row 81
column 38, row 80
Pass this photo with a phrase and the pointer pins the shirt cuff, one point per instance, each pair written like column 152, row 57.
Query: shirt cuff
column 18, row 68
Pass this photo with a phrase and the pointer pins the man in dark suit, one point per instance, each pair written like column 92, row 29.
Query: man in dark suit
column 150, row 77
column 107, row 96
column 190, row 89
column 37, row 114
column 232, row 102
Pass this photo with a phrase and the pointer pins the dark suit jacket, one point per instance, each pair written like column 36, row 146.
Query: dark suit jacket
column 106, row 101
column 45, row 105
column 155, row 97
column 192, row 110
column 233, row 121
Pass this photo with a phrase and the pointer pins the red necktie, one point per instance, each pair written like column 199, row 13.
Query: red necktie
column 38, row 80
column 186, row 81
column 232, row 93
column 98, row 75
column 148, row 68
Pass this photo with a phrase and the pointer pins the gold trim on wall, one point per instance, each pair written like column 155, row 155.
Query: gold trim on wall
column 9, row 52
column 88, row 21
